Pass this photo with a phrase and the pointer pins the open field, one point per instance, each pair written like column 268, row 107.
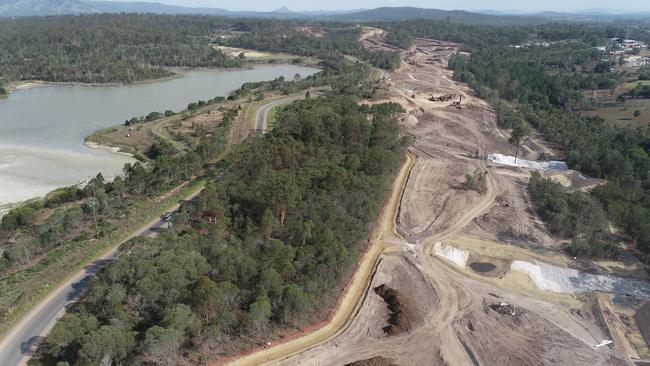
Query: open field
column 623, row 115
column 254, row 55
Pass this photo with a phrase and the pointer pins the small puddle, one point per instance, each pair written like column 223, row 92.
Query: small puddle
column 482, row 267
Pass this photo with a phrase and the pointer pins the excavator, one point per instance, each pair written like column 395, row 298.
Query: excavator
column 448, row 97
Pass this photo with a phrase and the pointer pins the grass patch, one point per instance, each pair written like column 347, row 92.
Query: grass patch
column 272, row 117
column 623, row 115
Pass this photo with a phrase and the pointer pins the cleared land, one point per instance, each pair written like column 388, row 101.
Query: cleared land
column 460, row 316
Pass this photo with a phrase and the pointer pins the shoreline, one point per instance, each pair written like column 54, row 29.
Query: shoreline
column 178, row 72
column 111, row 149
column 28, row 84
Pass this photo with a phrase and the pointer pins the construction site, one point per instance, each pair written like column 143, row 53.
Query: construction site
column 460, row 274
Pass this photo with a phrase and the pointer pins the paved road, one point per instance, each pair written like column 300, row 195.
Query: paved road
column 15, row 348
column 261, row 118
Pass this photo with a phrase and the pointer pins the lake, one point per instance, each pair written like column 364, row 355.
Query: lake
column 42, row 128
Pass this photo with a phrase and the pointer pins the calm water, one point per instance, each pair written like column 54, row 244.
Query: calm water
column 42, row 128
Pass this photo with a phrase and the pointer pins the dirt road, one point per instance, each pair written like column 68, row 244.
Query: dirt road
column 17, row 344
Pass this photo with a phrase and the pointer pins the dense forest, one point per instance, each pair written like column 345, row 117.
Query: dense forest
column 544, row 77
column 134, row 47
column 320, row 40
column 261, row 247
column 111, row 48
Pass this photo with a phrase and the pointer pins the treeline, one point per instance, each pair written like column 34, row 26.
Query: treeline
column 191, row 107
column 107, row 47
column 476, row 36
column 261, row 248
column 3, row 91
column 319, row 40
column 131, row 47
column 577, row 216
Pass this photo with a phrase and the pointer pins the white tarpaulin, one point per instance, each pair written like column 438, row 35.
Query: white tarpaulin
column 553, row 278
column 530, row 164
column 457, row 256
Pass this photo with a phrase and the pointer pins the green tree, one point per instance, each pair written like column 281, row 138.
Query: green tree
column 209, row 299
column 259, row 312
column 294, row 303
column 267, row 223
column 107, row 345
column 518, row 135
column 162, row 345
column 182, row 318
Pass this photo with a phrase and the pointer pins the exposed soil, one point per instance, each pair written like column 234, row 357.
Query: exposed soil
column 399, row 320
column 375, row 361
column 642, row 318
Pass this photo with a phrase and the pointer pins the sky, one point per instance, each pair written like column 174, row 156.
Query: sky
column 518, row 5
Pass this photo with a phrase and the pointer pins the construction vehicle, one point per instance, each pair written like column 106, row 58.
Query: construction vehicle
column 447, row 98
column 442, row 98
column 457, row 103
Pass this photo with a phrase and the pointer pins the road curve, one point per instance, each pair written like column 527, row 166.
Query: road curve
column 15, row 347
column 261, row 118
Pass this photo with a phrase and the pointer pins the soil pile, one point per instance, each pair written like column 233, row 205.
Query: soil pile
column 504, row 309
column 375, row 361
column 399, row 320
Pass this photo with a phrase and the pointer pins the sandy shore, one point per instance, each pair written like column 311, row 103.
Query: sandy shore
column 17, row 85
column 27, row 84
column 112, row 149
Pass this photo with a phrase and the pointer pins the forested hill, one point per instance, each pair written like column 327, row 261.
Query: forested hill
column 262, row 249
column 105, row 48
column 458, row 16
column 102, row 48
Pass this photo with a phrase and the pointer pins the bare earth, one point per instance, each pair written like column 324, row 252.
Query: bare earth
column 451, row 320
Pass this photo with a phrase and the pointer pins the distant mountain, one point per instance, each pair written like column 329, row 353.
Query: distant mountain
column 10, row 8
column 283, row 9
column 43, row 7
column 61, row 7
column 147, row 7
column 409, row 13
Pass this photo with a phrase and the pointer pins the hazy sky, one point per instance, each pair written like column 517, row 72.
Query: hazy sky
column 524, row 5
